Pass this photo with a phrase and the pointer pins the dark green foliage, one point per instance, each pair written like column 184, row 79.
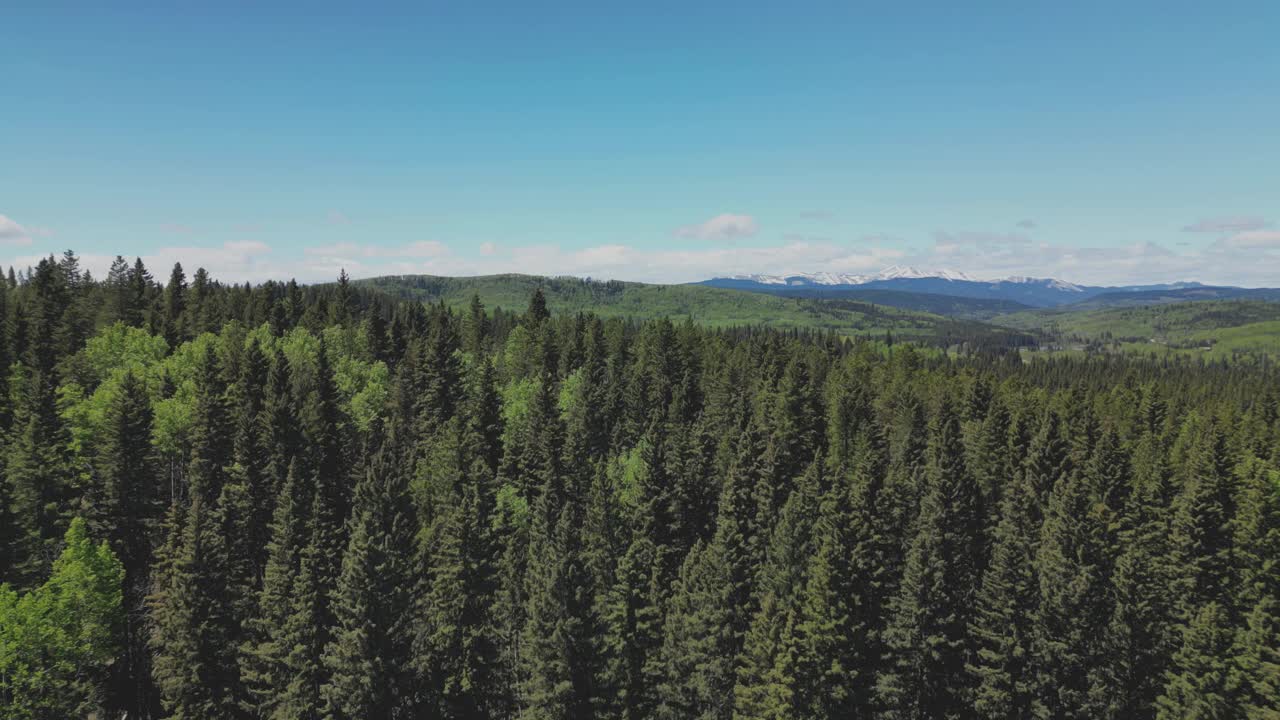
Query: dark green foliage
column 194, row 630
column 377, row 508
column 368, row 658
column 927, row 635
column 1203, row 682
column 123, row 505
column 1003, row 664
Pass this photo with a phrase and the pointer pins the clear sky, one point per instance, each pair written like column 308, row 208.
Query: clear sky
column 666, row 141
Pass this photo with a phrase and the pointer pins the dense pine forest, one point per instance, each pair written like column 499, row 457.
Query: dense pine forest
column 284, row 501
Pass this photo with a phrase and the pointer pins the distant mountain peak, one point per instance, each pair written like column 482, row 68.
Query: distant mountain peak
column 1046, row 282
column 893, row 272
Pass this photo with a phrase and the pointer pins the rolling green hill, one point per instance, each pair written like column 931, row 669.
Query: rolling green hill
column 1176, row 295
column 949, row 305
column 1213, row 329
column 714, row 307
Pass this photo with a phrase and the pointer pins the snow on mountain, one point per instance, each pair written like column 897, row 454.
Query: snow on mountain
column 895, row 272
column 1046, row 282
column 906, row 272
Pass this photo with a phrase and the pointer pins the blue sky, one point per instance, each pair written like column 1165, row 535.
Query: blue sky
column 1097, row 142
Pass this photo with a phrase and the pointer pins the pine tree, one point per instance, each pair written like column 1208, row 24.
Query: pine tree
column 537, row 313
column 1005, row 605
column 193, row 632
column 1203, row 682
column 138, row 298
column 1202, row 531
column 457, row 644
column 123, row 506
column 38, row 477
column 557, row 652
column 265, row 653
column 1258, row 662
column 368, row 657
column 837, row 633
column 1074, row 564
column 699, row 643
column 927, row 635
column 175, row 305
column 765, row 683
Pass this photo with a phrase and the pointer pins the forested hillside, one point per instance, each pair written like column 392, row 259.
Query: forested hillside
column 224, row 501
column 918, row 321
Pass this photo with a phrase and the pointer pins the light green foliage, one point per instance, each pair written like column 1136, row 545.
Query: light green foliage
column 570, row 391
column 117, row 350
column 56, row 641
column 363, row 385
column 174, row 414
column 517, row 399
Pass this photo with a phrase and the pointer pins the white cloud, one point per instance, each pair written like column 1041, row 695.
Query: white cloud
column 488, row 249
column 726, row 226
column 1253, row 239
column 337, row 218
column 11, row 233
column 1027, row 224
column 1222, row 225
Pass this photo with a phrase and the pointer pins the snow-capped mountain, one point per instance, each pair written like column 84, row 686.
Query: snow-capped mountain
column 893, row 272
column 1032, row 291
column 914, row 288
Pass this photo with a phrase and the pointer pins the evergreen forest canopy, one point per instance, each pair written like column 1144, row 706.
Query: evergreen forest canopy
column 278, row 501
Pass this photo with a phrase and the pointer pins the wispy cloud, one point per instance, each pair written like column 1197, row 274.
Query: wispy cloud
column 1253, row 239
column 1027, row 224
column 726, row 226
column 337, row 218
column 11, row 233
column 176, row 229
column 1221, row 225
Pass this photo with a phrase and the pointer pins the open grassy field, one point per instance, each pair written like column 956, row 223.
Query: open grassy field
column 1211, row 329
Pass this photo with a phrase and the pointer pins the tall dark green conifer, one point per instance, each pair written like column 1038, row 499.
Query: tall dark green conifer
column 927, row 637
column 1003, row 664
column 1204, row 682
column 368, row 657
column 193, row 630
column 558, row 654
column 175, row 306
column 123, row 506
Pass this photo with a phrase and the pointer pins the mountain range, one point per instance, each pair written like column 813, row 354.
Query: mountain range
column 1027, row 291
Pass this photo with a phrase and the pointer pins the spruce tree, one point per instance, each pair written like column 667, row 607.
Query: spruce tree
column 837, row 634
column 193, row 631
column 1203, row 681
column 1074, row 565
column 368, row 657
column 927, row 636
column 457, row 643
column 265, row 652
column 123, row 506
column 175, row 305
column 1203, row 530
column 557, row 655
column 1003, row 664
